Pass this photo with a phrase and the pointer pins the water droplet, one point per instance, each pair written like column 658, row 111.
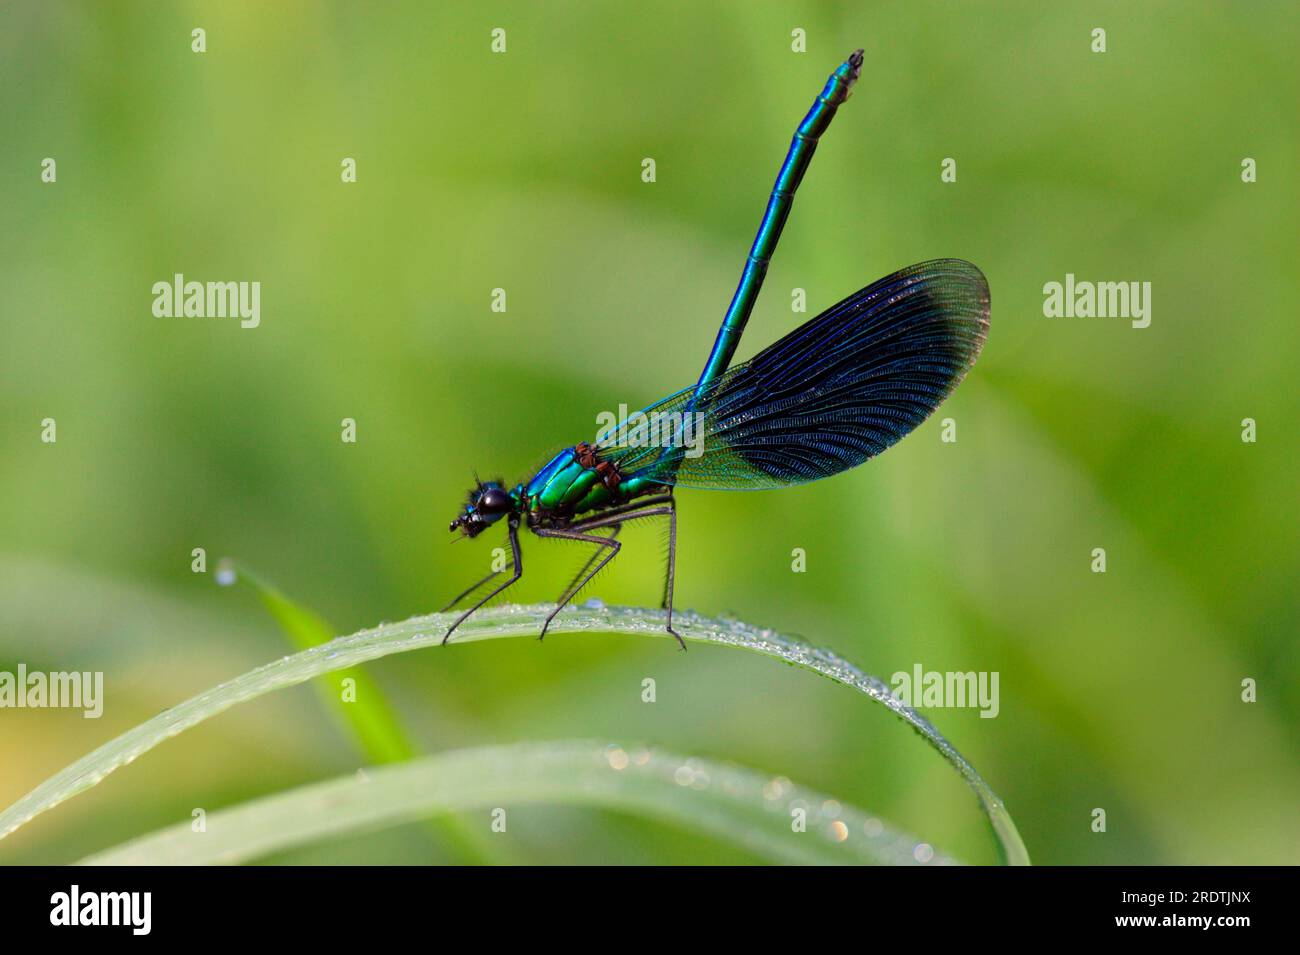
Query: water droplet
column 616, row 757
column 923, row 853
column 225, row 575
column 776, row 788
column 593, row 603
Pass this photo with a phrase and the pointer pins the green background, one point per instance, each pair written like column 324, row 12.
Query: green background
column 522, row 171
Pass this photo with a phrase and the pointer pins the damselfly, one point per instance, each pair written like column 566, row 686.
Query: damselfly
column 831, row 394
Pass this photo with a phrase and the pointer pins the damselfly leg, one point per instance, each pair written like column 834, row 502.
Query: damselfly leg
column 515, row 559
column 661, row 506
column 582, row 572
column 510, row 565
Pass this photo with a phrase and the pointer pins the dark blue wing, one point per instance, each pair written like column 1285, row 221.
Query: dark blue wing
column 834, row 392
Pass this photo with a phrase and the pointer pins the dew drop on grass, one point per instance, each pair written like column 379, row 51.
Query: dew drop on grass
column 617, row 757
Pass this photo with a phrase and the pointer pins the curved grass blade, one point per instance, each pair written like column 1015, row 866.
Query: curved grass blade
column 732, row 803
column 369, row 718
column 505, row 621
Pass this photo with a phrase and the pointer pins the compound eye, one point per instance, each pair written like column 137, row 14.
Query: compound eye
column 494, row 501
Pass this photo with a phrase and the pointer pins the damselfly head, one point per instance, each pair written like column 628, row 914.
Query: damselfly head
column 488, row 503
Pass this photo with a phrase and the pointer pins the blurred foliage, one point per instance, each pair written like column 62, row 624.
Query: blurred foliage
column 522, row 171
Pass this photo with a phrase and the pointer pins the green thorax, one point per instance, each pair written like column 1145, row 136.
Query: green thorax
column 565, row 487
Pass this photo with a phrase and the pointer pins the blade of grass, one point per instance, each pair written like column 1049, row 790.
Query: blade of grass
column 368, row 716
column 726, row 801
column 505, row 621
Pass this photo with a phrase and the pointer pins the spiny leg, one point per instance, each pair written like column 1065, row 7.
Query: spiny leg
column 469, row 590
column 600, row 520
column 670, row 574
column 581, row 574
column 573, row 535
column 515, row 559
column 666, row 508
